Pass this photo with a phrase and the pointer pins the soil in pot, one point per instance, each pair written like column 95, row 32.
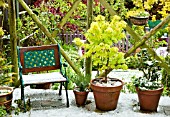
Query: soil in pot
column 6, row 95
column 80, row 97
column 106, row 95
column 149, row 99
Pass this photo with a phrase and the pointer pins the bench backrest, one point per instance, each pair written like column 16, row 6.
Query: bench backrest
column 39, row 58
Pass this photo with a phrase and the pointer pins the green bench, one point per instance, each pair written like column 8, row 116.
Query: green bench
column 41, row 64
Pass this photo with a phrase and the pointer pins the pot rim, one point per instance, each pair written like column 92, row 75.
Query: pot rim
column 137, row 17
column 74, row 89
column 161, row 88
column 122, row 83
column 6, row 87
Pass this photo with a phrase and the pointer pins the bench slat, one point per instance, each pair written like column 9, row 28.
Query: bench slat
column 43, row 78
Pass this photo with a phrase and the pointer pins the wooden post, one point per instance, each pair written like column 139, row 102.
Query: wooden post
column 13, row 38
column 88, row 61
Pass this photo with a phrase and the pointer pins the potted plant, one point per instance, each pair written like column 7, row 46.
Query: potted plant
column 5, row 80
column 81, row 89
column 148, row 87
column 138, row 17
column 101, row 37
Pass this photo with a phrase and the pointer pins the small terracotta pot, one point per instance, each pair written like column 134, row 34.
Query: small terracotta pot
column 80, row 97
column 6, row 99
column 106, row 98
column 149, row 99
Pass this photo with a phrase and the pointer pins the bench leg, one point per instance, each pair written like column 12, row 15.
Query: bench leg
column 66, row 85
column 60, row 90
column 23, row 97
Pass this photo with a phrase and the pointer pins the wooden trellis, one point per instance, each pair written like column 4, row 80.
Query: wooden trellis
column 140, row 41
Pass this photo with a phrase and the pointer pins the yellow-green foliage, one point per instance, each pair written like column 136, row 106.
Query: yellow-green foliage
column 165, row 9
column 137, row 13
column 3, row 4
column 101, row 37
column 1, row 31
column 5, row 72
column 148, row 4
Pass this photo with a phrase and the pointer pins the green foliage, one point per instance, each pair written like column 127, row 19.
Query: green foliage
column 150, row 68
column 130, row 86
column 117, row 5
column 101, row 36
column 70, row 85
column 166, row 91
column 166, row 77
column 82, row 82
column 145, row 84
column 30, row 33
column 5, row 72
column 137, row 13
column 3, row 111
column 71, row 51
column 55, row 86
column 20, row 106
column 155, row 41
column 131, row 61
column 1, row 32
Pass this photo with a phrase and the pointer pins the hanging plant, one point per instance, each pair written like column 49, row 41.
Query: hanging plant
column 138, row 17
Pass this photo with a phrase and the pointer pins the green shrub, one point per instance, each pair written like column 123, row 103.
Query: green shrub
column 5, row 72
column 166, row 78
column 3, row 111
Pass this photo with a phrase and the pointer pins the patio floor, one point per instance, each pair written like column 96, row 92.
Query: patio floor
column 47, row 103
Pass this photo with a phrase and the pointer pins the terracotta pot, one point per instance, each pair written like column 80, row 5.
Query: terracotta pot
column 80, row 97
column 6, row 99
column 139, row 20
column 106, row 98
column 149, row 99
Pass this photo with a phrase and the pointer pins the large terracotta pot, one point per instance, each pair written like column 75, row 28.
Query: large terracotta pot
column 80, row 97
column 106, row 98
column 6, row 99
column 149, row 99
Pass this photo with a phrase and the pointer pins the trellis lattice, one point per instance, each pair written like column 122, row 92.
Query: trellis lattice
column 40, row 58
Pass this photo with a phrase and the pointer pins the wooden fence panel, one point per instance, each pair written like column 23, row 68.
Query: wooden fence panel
column 68, row 38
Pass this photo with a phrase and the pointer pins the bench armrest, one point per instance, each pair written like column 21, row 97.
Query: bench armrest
column 65, row 65
column 64, row 71
column 20, row 66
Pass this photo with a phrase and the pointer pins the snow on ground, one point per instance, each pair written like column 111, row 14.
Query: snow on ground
column 125, row 106
column 46, row 103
